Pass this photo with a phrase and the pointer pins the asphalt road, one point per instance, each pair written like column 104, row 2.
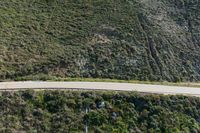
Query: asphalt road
column 146, row 88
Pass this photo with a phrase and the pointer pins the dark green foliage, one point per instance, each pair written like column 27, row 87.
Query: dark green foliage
column 122, row 39
column 65, row 111
column 95, row 118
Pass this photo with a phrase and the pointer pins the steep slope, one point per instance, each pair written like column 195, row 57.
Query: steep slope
column 124, row 39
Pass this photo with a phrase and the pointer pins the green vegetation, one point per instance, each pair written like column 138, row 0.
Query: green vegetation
column 110, row 112
column 153, row 40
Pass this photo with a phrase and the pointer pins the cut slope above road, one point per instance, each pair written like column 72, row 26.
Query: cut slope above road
column 146, row 40
column 146, row 88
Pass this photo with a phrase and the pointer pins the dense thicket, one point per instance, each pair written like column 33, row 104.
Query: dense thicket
column 110, row 112
column 123, row 39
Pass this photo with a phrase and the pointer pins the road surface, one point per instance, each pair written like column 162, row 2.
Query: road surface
column 145, row 88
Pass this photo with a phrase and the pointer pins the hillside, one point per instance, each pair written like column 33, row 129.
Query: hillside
column 121, row 39
column 64, row 112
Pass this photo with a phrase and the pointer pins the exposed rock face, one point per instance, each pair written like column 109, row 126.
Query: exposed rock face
column 131, row 39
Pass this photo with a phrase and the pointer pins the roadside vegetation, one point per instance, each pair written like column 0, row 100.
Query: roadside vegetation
column 110, row 112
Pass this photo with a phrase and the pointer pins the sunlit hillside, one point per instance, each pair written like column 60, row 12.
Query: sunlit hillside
column 120, row 39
